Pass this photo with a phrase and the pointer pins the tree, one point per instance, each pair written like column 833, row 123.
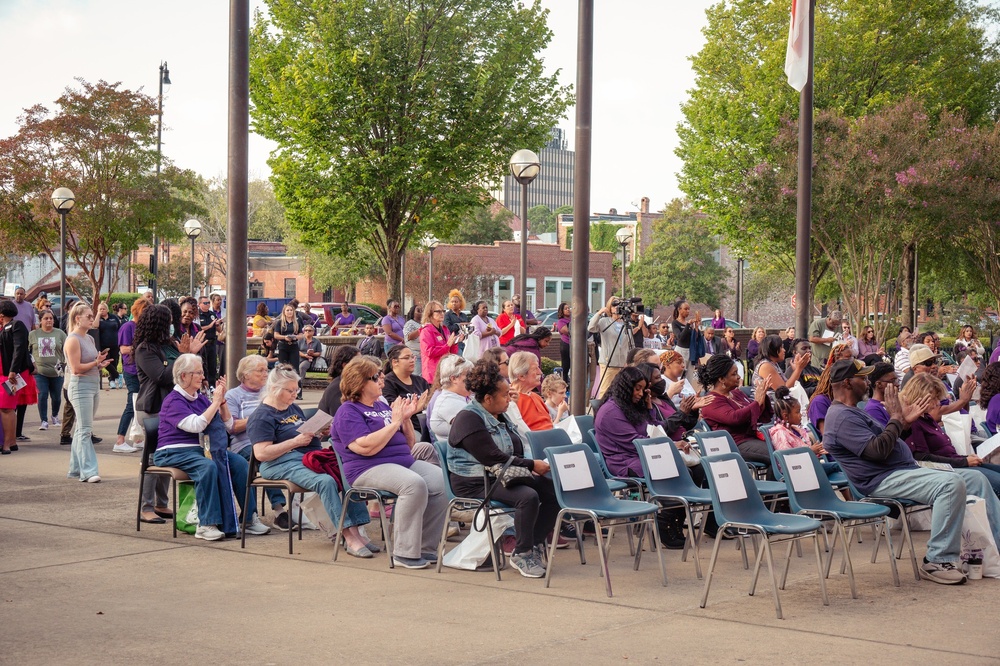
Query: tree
column 869, row 56
column 679, row 262
column 541, row 220
column 101, row 143
column 393, row 117
column 483, row 226
column 464, row 273
column 173, row 278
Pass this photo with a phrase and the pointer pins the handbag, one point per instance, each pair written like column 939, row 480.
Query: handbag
column 471, row 351
column 508, row 474
column 135, row 433
column 959, row 430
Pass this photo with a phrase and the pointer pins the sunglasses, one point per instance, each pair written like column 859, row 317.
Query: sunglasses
column 929, row 364
column 437, row 311
column 377, row 377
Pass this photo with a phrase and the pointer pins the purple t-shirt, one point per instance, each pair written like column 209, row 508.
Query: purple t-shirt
column 818, row 408
column 126, row 334
column 343, row 319
column 993, row 411
column 354, row 421
column 876, row 410
column 396, row 325
column 563, row 321
column 25, row 314
column 485, row 341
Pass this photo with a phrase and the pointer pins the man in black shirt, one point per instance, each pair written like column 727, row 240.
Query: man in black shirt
column 210, row 323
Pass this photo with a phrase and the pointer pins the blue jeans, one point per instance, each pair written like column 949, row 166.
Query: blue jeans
column 48, row 386
column 132, row 384
column 992, row 473
column 945, row 492
column 84, row 394
column 192, row 460
column 291, row 469
column 276, row 496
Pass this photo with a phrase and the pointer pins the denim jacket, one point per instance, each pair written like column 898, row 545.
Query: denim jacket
column 461, row 462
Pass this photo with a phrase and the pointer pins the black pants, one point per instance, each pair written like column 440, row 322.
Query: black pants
column 564, row 352
column 666, row 519
column 534, row 501
column 289, row 354
column 113, row 373
column 210, row 360
column 755, row 450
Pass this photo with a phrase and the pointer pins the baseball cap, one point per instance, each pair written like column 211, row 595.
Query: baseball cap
column 848, row 368
column 921, row 354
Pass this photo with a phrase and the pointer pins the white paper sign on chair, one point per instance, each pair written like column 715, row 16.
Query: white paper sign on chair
column 801, row 472
column 660, row 461
column 574, row 472
column 729, row 480
column 716, row 445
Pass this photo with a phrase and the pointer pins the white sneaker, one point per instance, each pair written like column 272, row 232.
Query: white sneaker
column 56, row 421
column 208, row 533
column 44, row 426
column 124, row 447
column 256, row 527
column 93, row 479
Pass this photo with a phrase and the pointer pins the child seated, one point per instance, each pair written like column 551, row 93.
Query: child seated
column 788, row 432
column 554, row 393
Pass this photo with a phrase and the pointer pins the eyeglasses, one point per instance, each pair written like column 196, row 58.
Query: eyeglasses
column 377, row 377
column 405, row 358
column 507, row 362
column 437, row 311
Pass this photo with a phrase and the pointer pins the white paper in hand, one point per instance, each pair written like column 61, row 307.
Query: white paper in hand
column 660, row 461
column 989, row 448
column 729, row 480
column 967, row 368
column 319, row 421
column 13, row 387
column 574, row 472
column 801, row 472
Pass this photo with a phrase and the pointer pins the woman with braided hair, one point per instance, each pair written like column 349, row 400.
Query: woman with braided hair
column 732, row 410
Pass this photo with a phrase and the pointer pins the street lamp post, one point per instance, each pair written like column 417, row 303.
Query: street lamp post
column 154, row 262
column 63, row 201
column 624, row 237
column 431, row 244
column 524, row 167
column 193, row 229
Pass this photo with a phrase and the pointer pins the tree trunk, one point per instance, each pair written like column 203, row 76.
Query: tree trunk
column 392, row 266
column 906, row 288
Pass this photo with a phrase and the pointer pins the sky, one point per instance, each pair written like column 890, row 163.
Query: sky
column 641, row 77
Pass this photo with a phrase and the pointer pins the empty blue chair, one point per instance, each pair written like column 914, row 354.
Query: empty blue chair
column 810, row 493
column 737, row 506
column 702, row 426
column 670, row 485
column 715, row 442
column 583, row 495
column 539, row 440
column 362, row 494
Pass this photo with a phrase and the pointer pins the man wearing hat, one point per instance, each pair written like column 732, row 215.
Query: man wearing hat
column 822, row 335
column 879, row 464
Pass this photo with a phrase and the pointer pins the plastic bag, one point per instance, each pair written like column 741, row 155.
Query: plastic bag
column 977, row 538
column 572, row 429
column 691, row 459
column 135, row 435
column 472, row 552
column 472, row 344
column 959, row 429
column 187, row 509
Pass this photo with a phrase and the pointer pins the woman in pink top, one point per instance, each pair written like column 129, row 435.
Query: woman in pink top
column 435, row 340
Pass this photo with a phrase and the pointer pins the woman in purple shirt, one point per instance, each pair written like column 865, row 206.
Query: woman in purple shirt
column 126, row 335
column 485, row 328
column 563, row 321
column 719, row 321
column 989, row 394
column 374, row 442
column 392, row 326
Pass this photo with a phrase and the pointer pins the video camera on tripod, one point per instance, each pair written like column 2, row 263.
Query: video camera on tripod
column 627, row 306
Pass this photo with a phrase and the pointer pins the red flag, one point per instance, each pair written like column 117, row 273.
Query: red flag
column 797, row 54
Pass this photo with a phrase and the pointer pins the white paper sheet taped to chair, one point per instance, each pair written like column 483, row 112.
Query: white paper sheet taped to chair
column 716, row 445
column 729, row 480
column 574, row 471
column 660, row 461
column 800, row 471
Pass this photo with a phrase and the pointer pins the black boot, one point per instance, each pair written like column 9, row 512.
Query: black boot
column 671, row 524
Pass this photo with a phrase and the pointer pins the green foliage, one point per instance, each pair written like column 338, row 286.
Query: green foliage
column 128, row 298
column 541, row 220
column 869, row 56
column 101, row 143
column 376, row 307
column 548, row 365
column 482, row 226
column 390, row 115
column 602, row 237
column 679, row 261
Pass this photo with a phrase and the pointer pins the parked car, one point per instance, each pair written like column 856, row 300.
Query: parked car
column 731, row 323
column 362, row 313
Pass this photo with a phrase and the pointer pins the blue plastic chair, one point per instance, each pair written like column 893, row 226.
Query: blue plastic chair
column 837, row 479
column 901, row 508
column 702, row 426
column 810, row 493
column 582, row 498
column 540, row 440
column 670, row 485
column 363, row 494
column 738, row 507
column 466, row 503
column 715, row 442
column 985, row 427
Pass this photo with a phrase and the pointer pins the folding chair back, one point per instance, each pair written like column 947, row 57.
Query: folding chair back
column 664, row 470
column 985, row 427
column 734, row 495
column 808, row 485
column 715, row 442
column 585, row 423
column 765, row 431
column 540, row 440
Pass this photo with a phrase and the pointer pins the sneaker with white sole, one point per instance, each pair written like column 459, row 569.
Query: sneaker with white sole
column 44, row 426
column 280, row 521
column 944, row 573
column 124, row 447
column 527, row 564
column 208, row 533
column 56, row 421
column 256, row 527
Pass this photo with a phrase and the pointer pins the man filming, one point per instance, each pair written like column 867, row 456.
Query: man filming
column 616, row 340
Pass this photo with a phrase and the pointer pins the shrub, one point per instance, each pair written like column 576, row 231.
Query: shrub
column 549, row 365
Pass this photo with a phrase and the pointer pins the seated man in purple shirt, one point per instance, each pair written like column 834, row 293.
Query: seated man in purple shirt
column 879, row 464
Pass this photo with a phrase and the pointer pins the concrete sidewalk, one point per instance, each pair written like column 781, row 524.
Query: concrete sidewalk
column 79, row 585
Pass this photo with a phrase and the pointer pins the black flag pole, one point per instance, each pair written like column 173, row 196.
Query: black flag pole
column 803, row 230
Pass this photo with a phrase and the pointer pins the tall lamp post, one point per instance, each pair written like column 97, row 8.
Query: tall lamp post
column 154, row 260
column 193, row 229
column 624, row 237
column 63, row 201
column 431, row 244
column 524, row 167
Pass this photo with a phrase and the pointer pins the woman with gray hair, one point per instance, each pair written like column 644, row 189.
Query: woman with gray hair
column 185, row 415
column 273, row 429
column 525, row 378
column 454, row 395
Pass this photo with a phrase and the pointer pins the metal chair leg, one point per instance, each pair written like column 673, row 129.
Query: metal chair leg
column 659, row 550
column 756, row 572
column 788, row 561
column 603, row 558
column 847, row 558
column 173, row 522
column 774, row 581
column 819, row 570
column 711, row 565
column 892, row 560
column 552, row 547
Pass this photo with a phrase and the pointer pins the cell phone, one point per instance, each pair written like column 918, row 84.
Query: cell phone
column 106, row 350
